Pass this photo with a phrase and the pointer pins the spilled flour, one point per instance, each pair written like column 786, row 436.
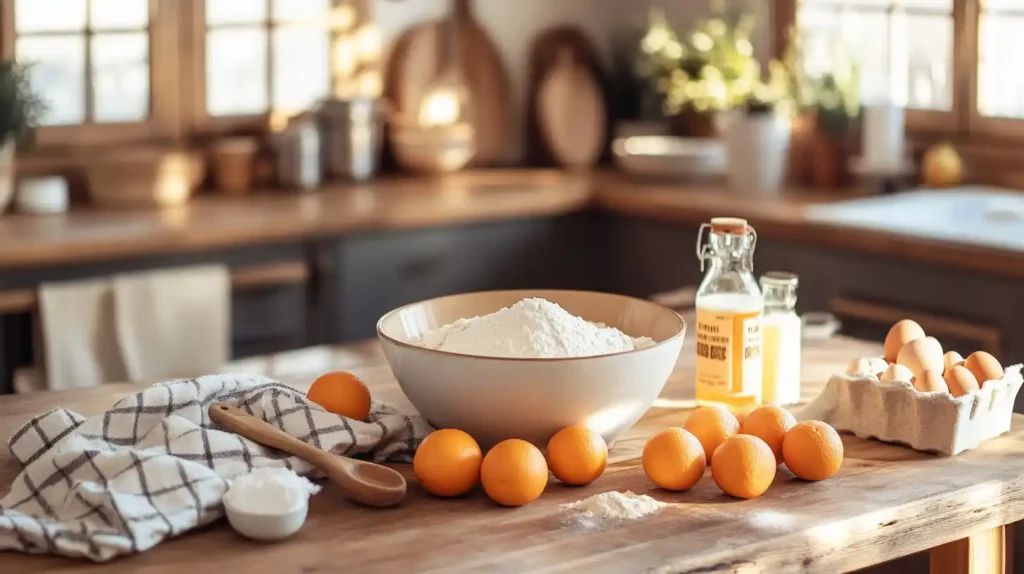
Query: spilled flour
column 531, row 329
column 611, row 507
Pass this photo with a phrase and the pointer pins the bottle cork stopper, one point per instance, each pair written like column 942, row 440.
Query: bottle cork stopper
column 733, row 225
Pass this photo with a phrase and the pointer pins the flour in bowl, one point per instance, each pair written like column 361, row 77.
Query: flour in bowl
column 531, row 329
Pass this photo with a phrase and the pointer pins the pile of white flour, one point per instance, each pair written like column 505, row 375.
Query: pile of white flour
column 612, row 507
column 531, row 329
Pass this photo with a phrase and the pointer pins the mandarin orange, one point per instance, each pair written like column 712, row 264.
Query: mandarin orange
column 341, row 393
column 447, row 462
column 514, row 473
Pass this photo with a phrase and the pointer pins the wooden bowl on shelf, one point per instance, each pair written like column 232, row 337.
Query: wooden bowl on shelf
column 144, row 177
column 433, row 149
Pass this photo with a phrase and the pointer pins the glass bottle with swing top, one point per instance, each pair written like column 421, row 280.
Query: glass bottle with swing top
column 729, row 309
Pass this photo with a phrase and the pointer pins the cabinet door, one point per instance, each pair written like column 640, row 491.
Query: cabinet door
column 381, row 271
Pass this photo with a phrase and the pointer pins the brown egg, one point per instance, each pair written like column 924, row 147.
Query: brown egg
column 921, row 355
column 896, row 372
column 960, row 381
column 984, row 367
column 951, row 358
column 930, row 382
column 899, row 335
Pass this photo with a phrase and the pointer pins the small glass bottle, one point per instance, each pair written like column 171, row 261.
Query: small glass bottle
column 780, row 330
column 729, row 307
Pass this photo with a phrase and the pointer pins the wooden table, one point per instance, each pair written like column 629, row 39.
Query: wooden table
column 886, row 502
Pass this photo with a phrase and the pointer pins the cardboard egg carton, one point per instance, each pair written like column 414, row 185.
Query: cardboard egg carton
column 930, row 422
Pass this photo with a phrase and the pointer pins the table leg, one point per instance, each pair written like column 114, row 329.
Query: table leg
column 982, row 553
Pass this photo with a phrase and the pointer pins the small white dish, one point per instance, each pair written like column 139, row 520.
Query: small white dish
column 42, row 195
column 266, row 527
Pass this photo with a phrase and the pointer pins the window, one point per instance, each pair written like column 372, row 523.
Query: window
column 266, row 54
column 955, row 64
column 132, row 71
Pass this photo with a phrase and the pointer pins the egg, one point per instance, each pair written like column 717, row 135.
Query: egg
column 896, row 372
column 950, row 359
column 930, row 382
column 960, row 381
column 860, row 366
column 984, row 367
column 899, row 335
column 921, row 355
column 877, row 365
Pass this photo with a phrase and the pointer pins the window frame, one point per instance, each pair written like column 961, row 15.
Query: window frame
column 178, row 115
column 964, row 121
column 163, row 122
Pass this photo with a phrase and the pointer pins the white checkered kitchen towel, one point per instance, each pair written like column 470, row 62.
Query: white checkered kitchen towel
column 155, row 465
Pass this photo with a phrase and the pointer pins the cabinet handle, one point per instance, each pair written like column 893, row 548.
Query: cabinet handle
column 988, row 338
column 242, row 279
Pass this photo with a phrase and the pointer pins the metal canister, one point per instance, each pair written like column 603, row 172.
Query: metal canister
column 298, row 154
column 351, row 131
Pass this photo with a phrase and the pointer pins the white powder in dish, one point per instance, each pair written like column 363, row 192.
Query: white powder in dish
column 612, row 507
column 270, row 490
column 531, row 329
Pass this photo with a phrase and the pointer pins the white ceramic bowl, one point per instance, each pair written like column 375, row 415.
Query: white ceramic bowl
column 266, row 527
column 497, row 398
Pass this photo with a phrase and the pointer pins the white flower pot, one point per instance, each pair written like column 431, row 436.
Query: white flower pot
column 757, row 146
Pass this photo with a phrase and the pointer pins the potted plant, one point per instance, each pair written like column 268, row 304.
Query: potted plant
column 701, row 74
column 828, row 103
column 20, row 111
column 757, row 133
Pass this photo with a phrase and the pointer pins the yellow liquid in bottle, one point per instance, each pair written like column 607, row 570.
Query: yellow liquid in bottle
column 729, row 361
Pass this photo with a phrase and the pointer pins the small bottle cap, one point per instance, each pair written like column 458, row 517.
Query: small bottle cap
column 781, row 278
column 733, row 225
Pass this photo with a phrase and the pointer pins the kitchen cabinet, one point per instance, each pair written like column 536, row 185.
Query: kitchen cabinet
column 379, row 271
column 271, row 287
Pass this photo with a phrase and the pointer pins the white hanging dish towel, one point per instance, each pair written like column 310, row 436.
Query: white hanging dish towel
column 155, row 465
column 80, row 347
column 173, row 322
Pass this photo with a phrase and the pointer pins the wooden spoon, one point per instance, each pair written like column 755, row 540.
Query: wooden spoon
column 369, row 483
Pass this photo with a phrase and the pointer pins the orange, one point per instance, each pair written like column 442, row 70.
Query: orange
column 514, row 473
column 744, row 466
column 341, row 393
column 577, row 455
column 447, row 463
column 674, row 459
column 769, row 424
column 711, row 426
column 813, row 450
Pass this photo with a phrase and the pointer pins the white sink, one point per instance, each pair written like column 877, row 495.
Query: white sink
column 983, row 216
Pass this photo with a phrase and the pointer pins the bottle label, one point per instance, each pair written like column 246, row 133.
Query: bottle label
column 728, row 353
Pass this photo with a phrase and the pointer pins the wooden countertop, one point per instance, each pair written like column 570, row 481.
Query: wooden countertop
column 211, row 222
column 886, row 502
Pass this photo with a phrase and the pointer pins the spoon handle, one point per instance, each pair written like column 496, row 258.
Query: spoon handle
column 240, row 422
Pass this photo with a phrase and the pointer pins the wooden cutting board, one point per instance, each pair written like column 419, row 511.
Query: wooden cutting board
column 571, row 113
column 419, row 56
column 555, row 141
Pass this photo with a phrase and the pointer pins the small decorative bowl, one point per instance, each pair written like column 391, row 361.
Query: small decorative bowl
column 434, row 149
column 266, row 527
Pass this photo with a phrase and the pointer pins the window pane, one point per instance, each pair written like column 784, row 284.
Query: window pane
column 301, row 10
column 236, row 72
column 118, row 14
column 49, row 15
column 301, row 67
column 909, row 58
column 929, row 62
column 1000, row 66
column 235, row 11
column 58, row 74
column 120, row 77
